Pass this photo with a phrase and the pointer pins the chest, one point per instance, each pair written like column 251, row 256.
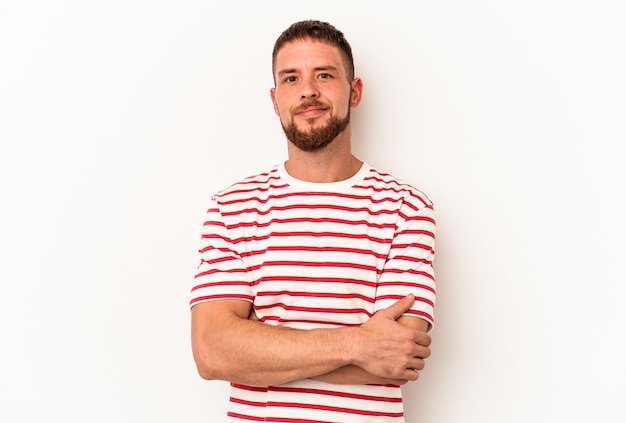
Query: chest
column 318, row 265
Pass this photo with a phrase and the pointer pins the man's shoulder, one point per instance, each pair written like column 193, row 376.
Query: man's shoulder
column 395, row 186
column 257, row 182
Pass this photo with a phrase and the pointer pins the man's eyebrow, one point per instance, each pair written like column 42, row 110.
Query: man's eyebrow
column 286, row 71
column 317, row 69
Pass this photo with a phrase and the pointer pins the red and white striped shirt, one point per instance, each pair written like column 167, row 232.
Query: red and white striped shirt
column 318, row 255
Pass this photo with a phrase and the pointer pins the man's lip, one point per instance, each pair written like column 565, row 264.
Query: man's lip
column 311, row 112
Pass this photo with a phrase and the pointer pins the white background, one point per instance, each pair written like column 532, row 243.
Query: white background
column 118, row 119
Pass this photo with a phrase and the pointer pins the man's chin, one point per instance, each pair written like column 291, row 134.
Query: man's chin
column 310, row 125
column 310, row 148
column 317, row 136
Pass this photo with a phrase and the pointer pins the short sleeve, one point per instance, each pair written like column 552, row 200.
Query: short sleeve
column 409, row 266
column 221, row 272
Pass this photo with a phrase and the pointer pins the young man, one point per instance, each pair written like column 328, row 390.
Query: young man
column 315, row 287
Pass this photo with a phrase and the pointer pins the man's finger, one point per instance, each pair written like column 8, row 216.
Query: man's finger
column 398, row 308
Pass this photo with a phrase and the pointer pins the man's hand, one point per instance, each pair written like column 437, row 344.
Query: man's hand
column 389, row 349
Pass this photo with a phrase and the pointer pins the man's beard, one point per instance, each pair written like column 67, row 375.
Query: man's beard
column 316, row 138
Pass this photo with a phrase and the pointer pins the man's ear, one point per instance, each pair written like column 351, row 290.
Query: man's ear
column 357, row 92
column 273, row 97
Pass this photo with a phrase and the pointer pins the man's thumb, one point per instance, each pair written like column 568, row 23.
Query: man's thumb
column 398, row 308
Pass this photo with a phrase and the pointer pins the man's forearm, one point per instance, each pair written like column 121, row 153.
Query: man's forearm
column 353, row 375
column 245, row 351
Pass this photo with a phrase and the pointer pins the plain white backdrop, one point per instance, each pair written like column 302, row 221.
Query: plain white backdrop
column 119, row 119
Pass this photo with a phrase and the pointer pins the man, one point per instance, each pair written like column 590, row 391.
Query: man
column 316, row 287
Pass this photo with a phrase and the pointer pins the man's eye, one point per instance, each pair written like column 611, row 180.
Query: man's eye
column 290, row 79
column 324, row 75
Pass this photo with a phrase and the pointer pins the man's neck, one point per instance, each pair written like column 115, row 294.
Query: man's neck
column 333, row 163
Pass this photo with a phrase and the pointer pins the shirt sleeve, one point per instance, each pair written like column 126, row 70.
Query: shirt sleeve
column 221, row 273
column 409, row 266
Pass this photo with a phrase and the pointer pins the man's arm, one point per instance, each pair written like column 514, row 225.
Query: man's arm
column 229, row 346
column 409, row 264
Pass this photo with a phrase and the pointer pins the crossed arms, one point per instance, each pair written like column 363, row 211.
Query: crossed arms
column 228, row 345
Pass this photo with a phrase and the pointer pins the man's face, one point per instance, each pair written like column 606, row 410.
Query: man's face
column 312, row 96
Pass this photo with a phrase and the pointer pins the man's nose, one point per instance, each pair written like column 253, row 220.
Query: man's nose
column 309, row 90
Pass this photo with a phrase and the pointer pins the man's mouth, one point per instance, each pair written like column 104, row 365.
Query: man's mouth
column 310, row 110
column 311, row 113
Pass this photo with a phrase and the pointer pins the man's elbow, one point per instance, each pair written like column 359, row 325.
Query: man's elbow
column 209, row 368
column 209, row 372
column 205, row 372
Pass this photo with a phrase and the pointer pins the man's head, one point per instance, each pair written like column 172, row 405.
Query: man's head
column 315, row 85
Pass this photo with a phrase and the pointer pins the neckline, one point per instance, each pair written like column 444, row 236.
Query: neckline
column 322, row 186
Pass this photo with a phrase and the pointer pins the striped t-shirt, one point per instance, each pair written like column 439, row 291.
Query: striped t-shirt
column 318, row 255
